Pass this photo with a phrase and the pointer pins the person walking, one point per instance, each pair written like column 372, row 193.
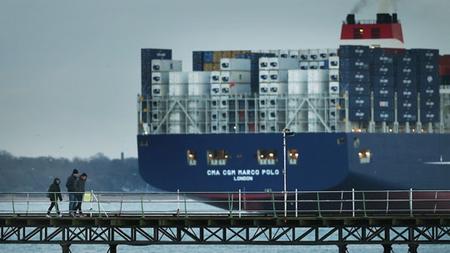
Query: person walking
column 71, row 188
column 80, row 187
column 54, row 194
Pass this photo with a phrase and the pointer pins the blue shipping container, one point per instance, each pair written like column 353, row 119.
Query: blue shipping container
column 383, row 81
column 359, row 114
column 407, row 104
column 383, row 91
column 354, row 76
column 382, row 69
column 383, row 103
column 208, row 56
column 351, row 51
column 407, row 116
column 429, row 116
column 354, row 64
column 384, row 115
column 358, row 88
column 359, row 101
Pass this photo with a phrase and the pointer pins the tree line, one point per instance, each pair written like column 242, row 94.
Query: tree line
column 35, row 174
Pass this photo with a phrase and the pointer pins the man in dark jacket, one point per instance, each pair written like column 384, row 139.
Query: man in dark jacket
column 80, row 187
column 54, row 194
column 71, row 188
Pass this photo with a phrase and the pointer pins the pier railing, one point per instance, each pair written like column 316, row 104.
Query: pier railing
column 237, row 204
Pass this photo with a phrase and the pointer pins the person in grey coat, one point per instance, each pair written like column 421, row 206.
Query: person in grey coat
column 81, row 188
column 71, row 188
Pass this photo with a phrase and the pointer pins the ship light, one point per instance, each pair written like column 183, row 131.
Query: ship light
column 191, row 156
column 360, row 154
column 271, row 155
column 261, row 156
column 226, row 156
column 210, row 155
column 367, row 153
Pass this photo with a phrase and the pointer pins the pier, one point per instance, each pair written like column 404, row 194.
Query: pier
column 342, row 219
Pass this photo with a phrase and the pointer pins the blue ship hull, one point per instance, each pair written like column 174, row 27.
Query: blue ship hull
column 327, row 161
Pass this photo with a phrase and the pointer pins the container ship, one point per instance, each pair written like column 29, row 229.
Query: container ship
column 369, row 115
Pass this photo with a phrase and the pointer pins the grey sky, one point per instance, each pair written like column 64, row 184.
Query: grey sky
column 70, row 70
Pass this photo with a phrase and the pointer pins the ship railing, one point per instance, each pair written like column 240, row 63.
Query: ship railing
column 297, row 203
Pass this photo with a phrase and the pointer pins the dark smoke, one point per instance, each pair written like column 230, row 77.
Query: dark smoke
column 359, row 5
column 363, row 3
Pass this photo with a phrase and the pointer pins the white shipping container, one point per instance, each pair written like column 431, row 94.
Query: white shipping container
column 160, row 90
column 283, row 63
column 318, row 75
column 264, row 76
column 235, row 64
column 313, row 54
column 176, row 129
column 263, row 63
column 334, row 88
column 192, row 129
column 313, row 65
column 323, row 65
column 284, row 53
column 278, row 75
column 215, row 89
column 334, row 62
column 298, row 75
column 304, row 65
column 296, row 88
column 178, row 89
column 235, row 77
column 215, row 77
column 198, row 89
column 303, row 54
column 263, row 88
column 166, row 65
column 278, row 88
column 235, row 89
column 334, row 75
column 199, row 77
column 332, row 52
column 323, row 54
column 160, row 77
column 293, row 54
column 198, row 117
column 178, row 78
column 176, row 116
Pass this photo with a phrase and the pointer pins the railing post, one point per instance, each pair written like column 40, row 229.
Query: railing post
column 98, row 206
column 185, row 205
column 411, row 202
column 28, row 203
column 240, row 198
column 178, row 201
column 296, row 203
column 353, row 202
column 13, row 205
column 387, row 202
column 121, row 203
column 318, row 204
column 142, row 205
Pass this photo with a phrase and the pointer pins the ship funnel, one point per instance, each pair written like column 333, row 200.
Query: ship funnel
column 351, row 19
column 394, row 18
